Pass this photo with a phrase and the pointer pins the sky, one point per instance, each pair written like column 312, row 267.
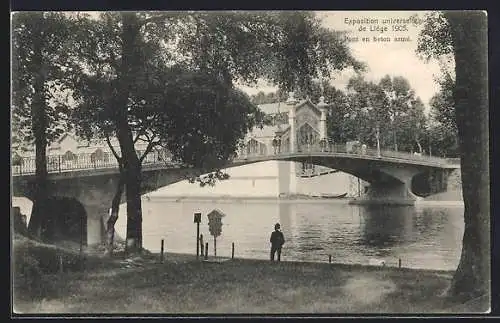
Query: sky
column 392, row 58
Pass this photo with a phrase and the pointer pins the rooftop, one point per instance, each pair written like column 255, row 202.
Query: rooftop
column 266, row 131
column 273, row 108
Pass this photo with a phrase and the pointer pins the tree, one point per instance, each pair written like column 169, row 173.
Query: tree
column 464, row 34
column 367, row 110
column 444, row 127
column 412, row 126
column 226, row 46
column 179, row 110
column 436, row 43
column 406, row 113
column 41, row 63
column 339, row 128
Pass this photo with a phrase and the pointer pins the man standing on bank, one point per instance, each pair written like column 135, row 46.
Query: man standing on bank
column 277, row 241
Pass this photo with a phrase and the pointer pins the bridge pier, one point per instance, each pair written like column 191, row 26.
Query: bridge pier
column 390, row 194
column 389, row 185
column 94, row 190
column 95, row 224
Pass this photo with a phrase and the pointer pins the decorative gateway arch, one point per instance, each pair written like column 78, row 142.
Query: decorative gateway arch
column 298, row 126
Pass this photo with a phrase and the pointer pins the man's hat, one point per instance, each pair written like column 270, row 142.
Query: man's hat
column 277, row 226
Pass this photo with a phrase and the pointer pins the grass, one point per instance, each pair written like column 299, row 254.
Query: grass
column 183, row 285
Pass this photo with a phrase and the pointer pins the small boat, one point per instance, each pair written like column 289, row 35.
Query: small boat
column 319, row 174
column 333, row 196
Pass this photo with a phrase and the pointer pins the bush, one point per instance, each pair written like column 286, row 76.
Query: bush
column 34, row 266
column 19, row 222
column 27, row 275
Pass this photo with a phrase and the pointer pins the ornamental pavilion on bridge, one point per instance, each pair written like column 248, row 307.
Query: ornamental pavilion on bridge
column 298, row 125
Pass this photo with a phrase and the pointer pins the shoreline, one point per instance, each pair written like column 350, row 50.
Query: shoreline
column 192, row 257
column 303, row 199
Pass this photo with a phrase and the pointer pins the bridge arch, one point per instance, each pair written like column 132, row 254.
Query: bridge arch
column 65, row 220
column 389, row 182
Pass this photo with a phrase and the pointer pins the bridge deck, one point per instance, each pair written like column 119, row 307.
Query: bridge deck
column 156, row 159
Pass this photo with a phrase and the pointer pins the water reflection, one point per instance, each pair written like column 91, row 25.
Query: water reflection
column 421, row 237
column 383, row 226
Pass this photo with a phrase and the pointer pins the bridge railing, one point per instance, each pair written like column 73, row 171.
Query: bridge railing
column 158, row 158
column 342, row 148
column 63, row 163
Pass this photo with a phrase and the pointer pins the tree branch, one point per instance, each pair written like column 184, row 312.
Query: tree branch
column 118, row 158
column 139, row 134
column 149, row 148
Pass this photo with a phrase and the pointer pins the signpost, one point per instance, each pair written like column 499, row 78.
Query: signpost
column 197, row 220
column 215, row 225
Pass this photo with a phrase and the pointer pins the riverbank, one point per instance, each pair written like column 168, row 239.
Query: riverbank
column 450, row 198
column 218, row 198
column 182, row 284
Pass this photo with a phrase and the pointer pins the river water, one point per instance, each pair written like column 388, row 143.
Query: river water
column 422, row 237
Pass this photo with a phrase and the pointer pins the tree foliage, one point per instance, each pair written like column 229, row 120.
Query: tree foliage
column 41, row 63
column 435, row 40
column 289, row 49
column 194, row 108
column 443, row 129
column 41, row 48
column 406, row 113
column 389, row 105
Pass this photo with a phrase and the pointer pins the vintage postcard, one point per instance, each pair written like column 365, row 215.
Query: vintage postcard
column 278, row 163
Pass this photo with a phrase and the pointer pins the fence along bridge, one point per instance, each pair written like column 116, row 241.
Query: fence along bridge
column 160, row 159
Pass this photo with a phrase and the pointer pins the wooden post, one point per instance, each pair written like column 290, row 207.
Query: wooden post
column 197, row 240
column 197, row 220
column 161, row 252
column 202, row 246
column 399, row 262
column 206, row 251
column 82, row 220
column 330, row 259
column 232, row 251
column 215, row 246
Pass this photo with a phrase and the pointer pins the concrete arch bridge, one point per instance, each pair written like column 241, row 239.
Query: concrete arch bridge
column 394, row 177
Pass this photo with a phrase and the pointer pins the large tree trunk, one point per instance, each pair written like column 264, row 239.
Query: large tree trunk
column 472, row 277
column 134, row 208
column 39, row 128
column 131, row 163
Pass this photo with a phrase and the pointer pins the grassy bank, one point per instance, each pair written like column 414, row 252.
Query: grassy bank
column 183, row 285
